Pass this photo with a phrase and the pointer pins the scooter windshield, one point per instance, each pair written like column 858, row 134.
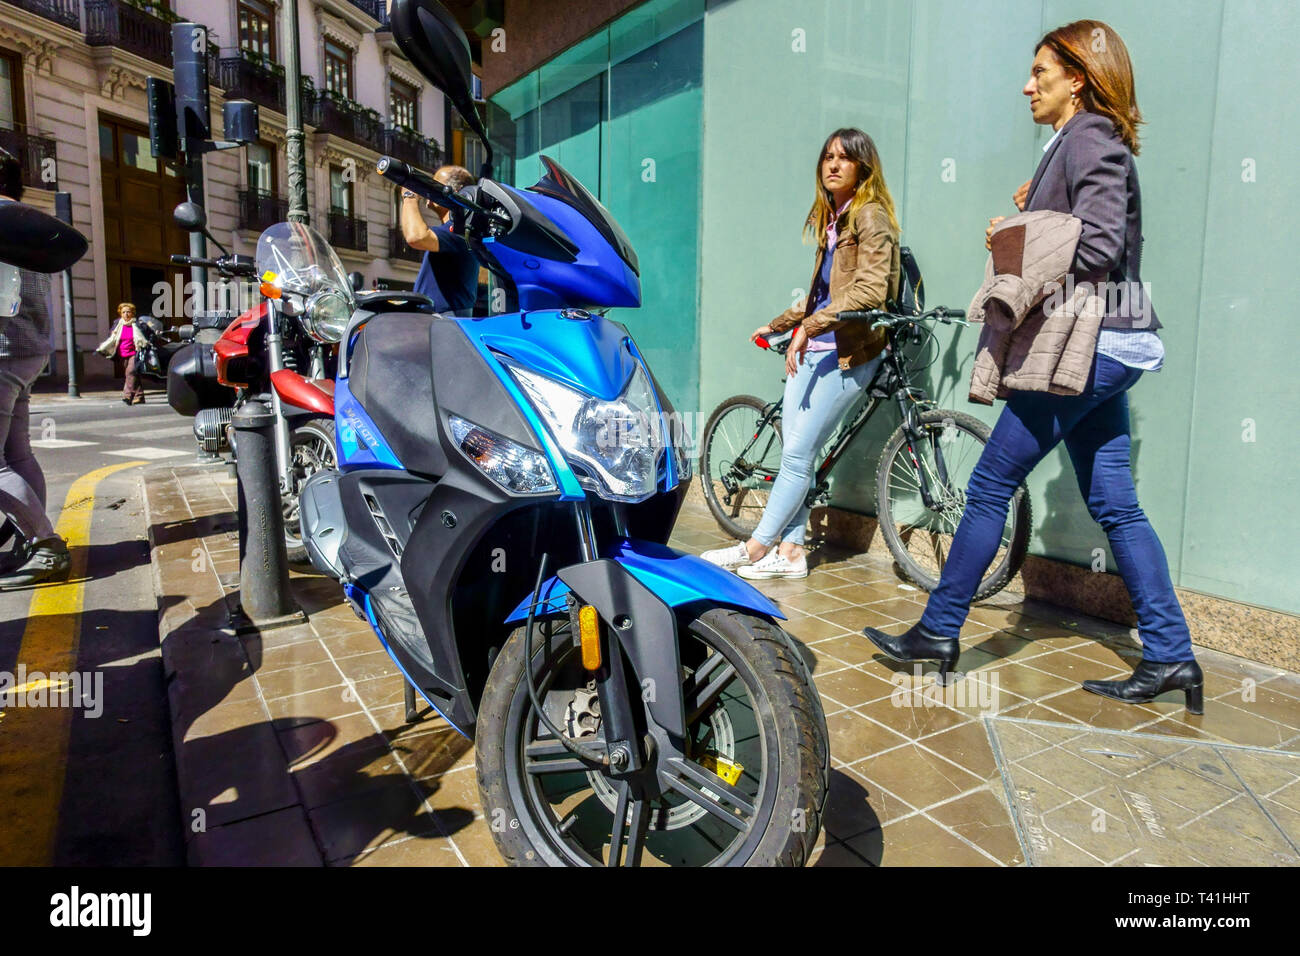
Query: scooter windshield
column 302, row 261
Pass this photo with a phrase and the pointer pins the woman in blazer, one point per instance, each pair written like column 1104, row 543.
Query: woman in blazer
column 1081, row 82
column 828, row 362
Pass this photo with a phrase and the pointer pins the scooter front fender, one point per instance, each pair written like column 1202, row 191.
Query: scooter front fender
column 674, row 577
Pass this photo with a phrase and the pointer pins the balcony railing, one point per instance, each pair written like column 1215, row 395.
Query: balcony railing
column 243, row 77
column 35, row 154
column 410, row 147
column 144, row 32
column 259, row 209
column 66, row 12
column 331, row 113
column 397, row 247
column 378, row 9
column 348, row 232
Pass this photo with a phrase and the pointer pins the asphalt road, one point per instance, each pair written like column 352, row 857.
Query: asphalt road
column 92, row 784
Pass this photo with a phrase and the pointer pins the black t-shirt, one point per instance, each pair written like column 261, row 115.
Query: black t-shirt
column 449, row 276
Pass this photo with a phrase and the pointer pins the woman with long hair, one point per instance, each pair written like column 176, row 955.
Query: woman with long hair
column 1081, row 84
column 829, row 362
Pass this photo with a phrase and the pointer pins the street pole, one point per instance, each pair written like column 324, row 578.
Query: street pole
column 294, row 148
column 194, row 126
column 63, row 210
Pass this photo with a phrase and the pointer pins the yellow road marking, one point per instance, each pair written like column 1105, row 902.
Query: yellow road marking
column 34, row 741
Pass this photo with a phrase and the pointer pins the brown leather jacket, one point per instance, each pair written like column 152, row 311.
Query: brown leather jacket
column 864, row 275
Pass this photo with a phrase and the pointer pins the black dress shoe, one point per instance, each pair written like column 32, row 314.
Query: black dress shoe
column 917, row 644
column 1151, row 679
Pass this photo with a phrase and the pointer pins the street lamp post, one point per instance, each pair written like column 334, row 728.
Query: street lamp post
column 295, row 155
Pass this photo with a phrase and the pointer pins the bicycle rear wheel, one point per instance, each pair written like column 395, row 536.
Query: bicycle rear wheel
column 920, row 536
column 739, row 462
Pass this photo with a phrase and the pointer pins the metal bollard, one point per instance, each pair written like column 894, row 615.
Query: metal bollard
column 263, row 565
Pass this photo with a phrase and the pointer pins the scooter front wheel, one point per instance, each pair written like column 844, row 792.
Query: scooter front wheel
column 754, row 719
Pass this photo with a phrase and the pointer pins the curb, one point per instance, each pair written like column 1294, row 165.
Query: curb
column 239, row 803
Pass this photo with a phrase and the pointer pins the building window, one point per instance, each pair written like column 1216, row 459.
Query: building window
column 403, row 104
column 11, row 90
column 257, row 28
column 338, row 69
column 261, row 167
column 340, row 192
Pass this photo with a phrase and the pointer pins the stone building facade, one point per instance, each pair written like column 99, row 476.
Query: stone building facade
column 73, row 109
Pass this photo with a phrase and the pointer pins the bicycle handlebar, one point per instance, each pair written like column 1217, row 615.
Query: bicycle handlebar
column 880, row 318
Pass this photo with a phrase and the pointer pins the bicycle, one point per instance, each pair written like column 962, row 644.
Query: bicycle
column 924, row 467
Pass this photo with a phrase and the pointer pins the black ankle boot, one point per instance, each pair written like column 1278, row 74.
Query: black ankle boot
column 917, row 644
column 1151, row 679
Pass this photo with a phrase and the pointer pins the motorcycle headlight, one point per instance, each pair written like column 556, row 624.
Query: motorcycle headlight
column 326, row 315
column 614, row 446
column 511, row 465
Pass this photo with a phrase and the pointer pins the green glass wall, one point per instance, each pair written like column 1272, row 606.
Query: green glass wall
column 621, row 111
column 937, row 84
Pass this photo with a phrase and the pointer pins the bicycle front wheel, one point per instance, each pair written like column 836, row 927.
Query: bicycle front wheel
column 738, row 463
column 919, row 535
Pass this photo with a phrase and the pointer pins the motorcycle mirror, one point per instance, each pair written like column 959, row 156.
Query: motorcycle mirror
column 357, row 280
column 190, row 217
column 432, row 40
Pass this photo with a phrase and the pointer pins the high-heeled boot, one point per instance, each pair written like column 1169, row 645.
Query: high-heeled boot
column 917, row 644
column 1151, row 679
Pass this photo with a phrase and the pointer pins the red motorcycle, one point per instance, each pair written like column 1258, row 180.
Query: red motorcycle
column 263, row 352
column 280, row 350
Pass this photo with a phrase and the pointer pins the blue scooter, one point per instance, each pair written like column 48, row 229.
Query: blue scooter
column 505, row 489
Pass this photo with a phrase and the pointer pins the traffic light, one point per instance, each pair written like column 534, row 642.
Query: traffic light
column 190, row 70
column 162, row 119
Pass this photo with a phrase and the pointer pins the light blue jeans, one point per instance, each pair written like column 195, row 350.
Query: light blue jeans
column 816, row 398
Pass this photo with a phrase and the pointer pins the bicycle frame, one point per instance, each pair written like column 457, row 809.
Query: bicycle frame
column 890, row 381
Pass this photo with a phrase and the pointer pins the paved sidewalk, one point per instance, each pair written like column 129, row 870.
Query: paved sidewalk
column 291, row 746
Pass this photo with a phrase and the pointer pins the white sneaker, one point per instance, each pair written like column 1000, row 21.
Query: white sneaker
column 773, row 565
column 730, row 558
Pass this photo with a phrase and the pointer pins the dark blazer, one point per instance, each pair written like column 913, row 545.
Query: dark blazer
column 1088, row 172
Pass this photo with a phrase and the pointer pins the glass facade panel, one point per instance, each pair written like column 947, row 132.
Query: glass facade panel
column 621, row 112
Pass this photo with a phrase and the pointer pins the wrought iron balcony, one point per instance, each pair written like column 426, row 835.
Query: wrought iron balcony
column 35, row 154
column 398, row 249
column 331, row 113
column 410, row 147
column 377, row 9
column 248, row 77
column 66, row 12
column 260, row 210
column 348, row 232
column 145, row 30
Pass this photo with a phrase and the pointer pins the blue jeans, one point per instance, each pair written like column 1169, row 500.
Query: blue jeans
column 816, row 398
column 1095, row 429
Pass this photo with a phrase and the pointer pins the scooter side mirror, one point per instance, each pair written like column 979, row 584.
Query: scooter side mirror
column 432, row 40
column 357, row 281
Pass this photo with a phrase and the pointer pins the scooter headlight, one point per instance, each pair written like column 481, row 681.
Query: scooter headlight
column 511, row 465
column 615, row 445
column 326, row 315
